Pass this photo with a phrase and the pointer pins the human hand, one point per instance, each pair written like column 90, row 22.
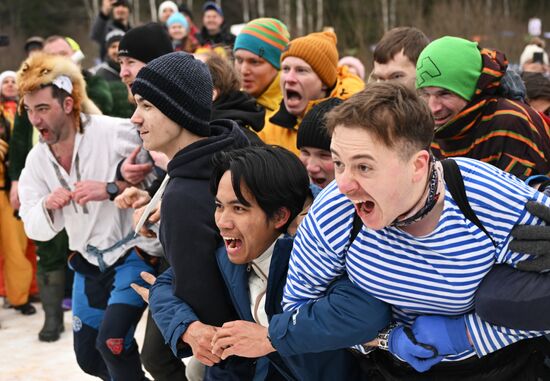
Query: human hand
column 106, row 7
column 153, row 218
column 160, row 159
column 132, row 198
column 533, row 239
column 58, row 199
column 445, row 333
column 90, row 190
column 241, row 338
column 14, row 196
column 405, row 347
column 143, row 291
column 199, row 337
column 4, row 146
column 132, row 172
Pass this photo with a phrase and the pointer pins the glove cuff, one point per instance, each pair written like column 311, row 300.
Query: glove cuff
column 457, row 331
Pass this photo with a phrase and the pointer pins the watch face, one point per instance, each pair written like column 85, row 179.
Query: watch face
column 112, row 188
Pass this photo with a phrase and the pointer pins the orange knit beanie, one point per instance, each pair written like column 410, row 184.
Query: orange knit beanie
column 319, row 51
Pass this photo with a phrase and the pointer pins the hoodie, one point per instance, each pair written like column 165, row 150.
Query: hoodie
column 504, row 132
column 188, row 232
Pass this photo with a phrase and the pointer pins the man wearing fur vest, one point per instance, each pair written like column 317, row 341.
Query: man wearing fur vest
column 68, row 182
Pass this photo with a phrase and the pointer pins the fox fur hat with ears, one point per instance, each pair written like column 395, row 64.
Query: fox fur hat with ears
column 41, row 70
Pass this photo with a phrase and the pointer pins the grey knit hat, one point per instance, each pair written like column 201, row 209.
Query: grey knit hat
column 180, row 86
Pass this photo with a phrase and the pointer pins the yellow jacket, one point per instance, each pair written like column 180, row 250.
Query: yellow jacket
column 281, row 128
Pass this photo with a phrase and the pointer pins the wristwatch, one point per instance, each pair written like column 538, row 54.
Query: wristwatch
column 112, row 190
column 384, row 337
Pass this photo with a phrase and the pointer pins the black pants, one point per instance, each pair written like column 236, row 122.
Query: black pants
column 156, row 356
column 522, row 361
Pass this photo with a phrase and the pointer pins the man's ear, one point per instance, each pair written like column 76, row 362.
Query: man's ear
column 68, row 104
column 281, row 217
column 421, row 165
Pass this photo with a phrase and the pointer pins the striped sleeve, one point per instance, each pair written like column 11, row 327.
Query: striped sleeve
column 488, row 338
column 314, row 263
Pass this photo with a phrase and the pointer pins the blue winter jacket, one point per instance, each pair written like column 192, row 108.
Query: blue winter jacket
column 310, row 342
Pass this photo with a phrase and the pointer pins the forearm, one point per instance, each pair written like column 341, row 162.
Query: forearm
column 346, row 316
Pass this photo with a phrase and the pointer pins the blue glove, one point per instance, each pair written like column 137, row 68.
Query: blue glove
column 418, row 356
column 447, row 334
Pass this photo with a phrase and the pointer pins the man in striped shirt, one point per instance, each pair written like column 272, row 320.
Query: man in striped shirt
column 416, row 250
column 462, row 84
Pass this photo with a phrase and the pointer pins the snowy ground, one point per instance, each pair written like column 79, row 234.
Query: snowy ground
column 23, row 357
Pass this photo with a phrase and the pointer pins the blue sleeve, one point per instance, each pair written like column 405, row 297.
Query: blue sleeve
column 344, row 317
column 171, row 314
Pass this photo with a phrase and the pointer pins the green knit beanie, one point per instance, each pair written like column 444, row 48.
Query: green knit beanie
column 451, row 63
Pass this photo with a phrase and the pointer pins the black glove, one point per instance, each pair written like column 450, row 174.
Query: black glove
column 533, row 239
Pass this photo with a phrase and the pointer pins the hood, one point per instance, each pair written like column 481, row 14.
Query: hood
column 494, row 64
column 240, row 107
column 194, row 161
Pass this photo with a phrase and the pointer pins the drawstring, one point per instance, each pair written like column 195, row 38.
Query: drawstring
column 99, row 253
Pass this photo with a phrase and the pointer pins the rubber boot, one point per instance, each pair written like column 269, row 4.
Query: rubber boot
column 52, row 288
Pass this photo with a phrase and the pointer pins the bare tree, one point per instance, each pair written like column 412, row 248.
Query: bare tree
column 92, row 8
column 300, row 17
column 261, row 8
column 246, row 11
column 385, row 15
column 153, row 10
column 320, row 22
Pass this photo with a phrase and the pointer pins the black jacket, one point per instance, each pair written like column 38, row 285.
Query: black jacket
column 225, row 37
column 243, row 109
column 188, row 232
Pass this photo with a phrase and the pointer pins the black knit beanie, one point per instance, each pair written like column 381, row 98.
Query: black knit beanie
column 312, row 132
column 145, row 43
column 180, row 86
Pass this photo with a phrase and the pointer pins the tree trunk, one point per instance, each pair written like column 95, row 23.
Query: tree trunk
column 320, row 15
column 135, row 4
column 246, row 11
column 261, row 8
column 385, row 20
column 153, row 10
column 300, row 17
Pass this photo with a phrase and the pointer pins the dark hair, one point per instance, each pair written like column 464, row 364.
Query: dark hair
column 224, row 77
column 537, row 85
column 275, row 177
column 407, row 39
column 391, row 112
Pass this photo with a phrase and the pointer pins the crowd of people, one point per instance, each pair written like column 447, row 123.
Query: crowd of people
column 282, row 213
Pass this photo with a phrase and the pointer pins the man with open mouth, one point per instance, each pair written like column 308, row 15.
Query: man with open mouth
column 309, row 75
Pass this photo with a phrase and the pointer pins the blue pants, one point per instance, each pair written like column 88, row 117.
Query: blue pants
column 106, row 311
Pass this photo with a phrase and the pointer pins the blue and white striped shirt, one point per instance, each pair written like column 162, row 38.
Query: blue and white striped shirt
column 434, row 274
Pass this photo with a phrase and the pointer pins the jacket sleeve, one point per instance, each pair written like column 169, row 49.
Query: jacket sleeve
column 523, row 303
column 20, row 145
column 99, row 28
column 40, row 224
column 344, row 317
column 171, row 314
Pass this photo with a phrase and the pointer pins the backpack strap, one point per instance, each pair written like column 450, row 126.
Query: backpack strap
column 455, row 183
column 356, row 228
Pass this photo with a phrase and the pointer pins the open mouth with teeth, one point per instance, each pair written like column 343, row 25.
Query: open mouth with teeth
column 363, row 208
column 232, row 245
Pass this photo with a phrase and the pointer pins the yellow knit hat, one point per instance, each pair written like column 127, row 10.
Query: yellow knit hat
column 319, row 51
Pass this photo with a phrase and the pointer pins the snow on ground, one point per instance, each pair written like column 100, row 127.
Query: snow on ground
column 24, row 358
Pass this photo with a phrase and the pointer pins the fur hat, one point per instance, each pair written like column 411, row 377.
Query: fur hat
column 319, row 51
column 42, row 69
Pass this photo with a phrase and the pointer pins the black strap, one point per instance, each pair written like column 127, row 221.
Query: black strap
column 455, row 183
column 356, row 228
